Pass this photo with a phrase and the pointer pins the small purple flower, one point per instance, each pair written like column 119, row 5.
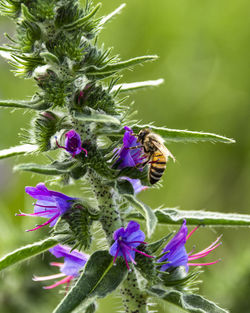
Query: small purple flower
column 74, row 261
column 126, row 156
column 50, row 204
column 136, row 183
column 73, row 143
column 126, row 240
column 176, row 254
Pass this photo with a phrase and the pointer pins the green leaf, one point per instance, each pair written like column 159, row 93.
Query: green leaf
column 176, row 216
column 175, row 135
column 27, row 252
column 119, row 66
column 99, row 278
column 137, row 85
column 39, row 169
column 97, row 118
column 18, row 150
column 82, row 21
column 191, row 302
column 20, row 104
column 146, row 211
column 108, row 17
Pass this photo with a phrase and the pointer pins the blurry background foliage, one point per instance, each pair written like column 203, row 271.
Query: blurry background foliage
column 204, row 59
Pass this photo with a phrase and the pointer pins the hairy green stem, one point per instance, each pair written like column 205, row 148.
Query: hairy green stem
column 134, row 300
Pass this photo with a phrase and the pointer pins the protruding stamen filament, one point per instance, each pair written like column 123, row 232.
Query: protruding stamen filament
column 125, row 258
column 46, row 223
column 45, row 206
column 56, row 264
column 116, row 255
column 203, row 254
column 203, row 264
column 37, row 213
column 49, row 277
column 192, row 231
column 60, row 282
column 147, row 255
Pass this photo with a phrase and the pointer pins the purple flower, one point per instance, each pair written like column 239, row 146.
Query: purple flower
column 50, row 204
column 74, row 261
column 73, row 143
column 176, row 254
column 126, row 240
column 127, row 157
column 136, row 183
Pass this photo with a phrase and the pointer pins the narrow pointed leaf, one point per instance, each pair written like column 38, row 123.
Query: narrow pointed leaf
column 137, row 85
column 108, row 17
column 98, row 118
column 79, row 23
column 146, row 212
column 18, row 150
column 175, row 216
column 112, row 68
column 39, row 169
column 99, row 278
column 175, row 135
column 20, row 104
column 191, row 302
column 27, row 252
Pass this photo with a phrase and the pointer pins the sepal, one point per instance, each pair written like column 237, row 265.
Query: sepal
column 181, row 280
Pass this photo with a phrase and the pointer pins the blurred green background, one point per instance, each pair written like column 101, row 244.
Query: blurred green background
column 204, row 59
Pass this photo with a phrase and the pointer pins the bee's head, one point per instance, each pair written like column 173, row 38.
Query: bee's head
column 143, row 133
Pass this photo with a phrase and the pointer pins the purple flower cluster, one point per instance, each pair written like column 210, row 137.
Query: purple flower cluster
column 176, row 254
column 50, row 204
column 126, row 241
column 128, row 155
column 74, row 261
column 73, row 143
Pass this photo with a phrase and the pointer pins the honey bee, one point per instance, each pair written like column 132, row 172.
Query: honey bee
column 157, row 154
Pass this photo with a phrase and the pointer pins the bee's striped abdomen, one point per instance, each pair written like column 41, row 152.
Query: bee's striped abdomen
column 157, row 167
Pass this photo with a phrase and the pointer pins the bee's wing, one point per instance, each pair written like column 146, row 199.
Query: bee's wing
column 163, row 149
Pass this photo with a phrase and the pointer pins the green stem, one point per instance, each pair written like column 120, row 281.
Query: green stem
column 134, row 299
